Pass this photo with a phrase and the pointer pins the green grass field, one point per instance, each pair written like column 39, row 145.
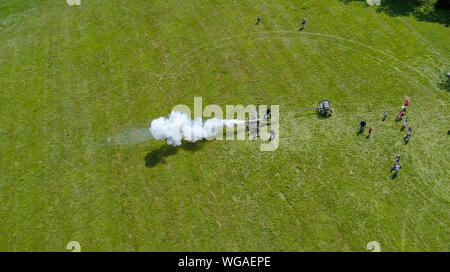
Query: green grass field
column 73, row 77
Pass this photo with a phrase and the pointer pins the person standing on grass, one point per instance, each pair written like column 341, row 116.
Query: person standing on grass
column 362, row 125
column 258, row 19
column 370, row 132
column 405, row 123
column 408, row 134
column 397, row 161
column 406, row 104
column 397, row 168
column 385, row 115
column 303, row 23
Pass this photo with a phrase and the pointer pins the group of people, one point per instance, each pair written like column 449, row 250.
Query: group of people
column 362, row 126
column 400, row 116
column 405, row 122
column 396, row 166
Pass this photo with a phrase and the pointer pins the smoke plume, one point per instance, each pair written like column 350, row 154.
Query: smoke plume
column 179, row 126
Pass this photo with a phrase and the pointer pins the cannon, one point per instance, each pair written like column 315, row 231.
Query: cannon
column 323, row 108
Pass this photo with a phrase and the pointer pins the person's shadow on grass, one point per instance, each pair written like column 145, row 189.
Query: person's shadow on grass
column 159, row 155
column 393, row 175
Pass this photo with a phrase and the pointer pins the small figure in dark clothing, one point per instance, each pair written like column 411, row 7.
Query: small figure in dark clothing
column 303, row 24
column 408, row 135
column 362, row 125
column 385, row 115
column 258, row 19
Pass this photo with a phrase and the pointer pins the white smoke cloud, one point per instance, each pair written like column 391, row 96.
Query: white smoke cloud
column 179, row 126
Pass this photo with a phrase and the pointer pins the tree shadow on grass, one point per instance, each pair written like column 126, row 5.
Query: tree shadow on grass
column 445, row 85
column 396, row 8
column 159, row 155
column 391, row 7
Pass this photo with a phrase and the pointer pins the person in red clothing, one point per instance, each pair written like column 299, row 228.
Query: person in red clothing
column 370, row 132
column 406, row 104
column 400, row 115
